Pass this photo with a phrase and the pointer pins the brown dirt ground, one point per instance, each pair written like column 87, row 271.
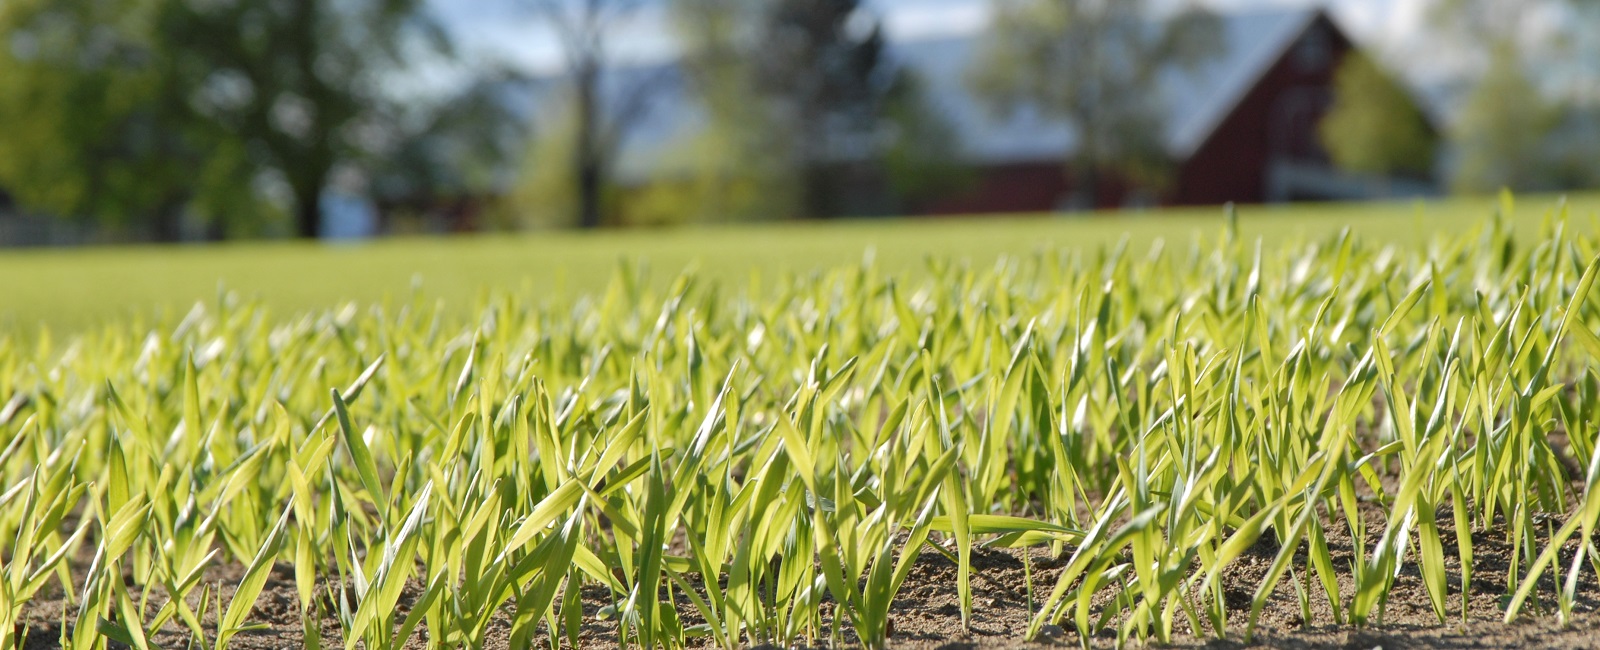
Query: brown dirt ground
column 926, row 614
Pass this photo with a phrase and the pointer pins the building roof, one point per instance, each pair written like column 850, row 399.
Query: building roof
column 1195, row 101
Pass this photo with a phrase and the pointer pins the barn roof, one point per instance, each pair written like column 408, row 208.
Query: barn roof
column 1194, row 101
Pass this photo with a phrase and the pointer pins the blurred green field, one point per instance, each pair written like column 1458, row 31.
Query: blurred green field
column 69, row 290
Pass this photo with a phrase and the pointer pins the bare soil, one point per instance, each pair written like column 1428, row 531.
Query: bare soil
column 927, row 616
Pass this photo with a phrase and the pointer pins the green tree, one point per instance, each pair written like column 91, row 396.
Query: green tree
column 1530, row 101
column 91, row 124
column 601, row 102
column 806, row 114
column 568, row 174
column 461, row 146
column 298, row 84
column 1574, row 66
column 1093, row 64
column 1502, row 132
column 733, row 169
column 922, row 154
column 160, row 107
column 545, row 192
column 821, row 73
column 708, row 176
column 1374, row 125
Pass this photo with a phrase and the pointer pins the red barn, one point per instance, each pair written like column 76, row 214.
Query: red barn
column 1242, row 127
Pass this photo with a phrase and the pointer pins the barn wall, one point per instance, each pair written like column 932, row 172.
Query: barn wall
column 1276, row 120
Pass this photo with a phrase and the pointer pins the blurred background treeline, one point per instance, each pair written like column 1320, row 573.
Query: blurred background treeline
column 172, row 120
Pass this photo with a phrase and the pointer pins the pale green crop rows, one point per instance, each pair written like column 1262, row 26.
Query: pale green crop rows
column 1148, row 415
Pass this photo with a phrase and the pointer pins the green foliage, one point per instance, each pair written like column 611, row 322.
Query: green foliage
column 1502, row 130
column 461, row 148
column 1528, row 110
column 782, row 457
column 88, row 132
column 598, row 100
column 804, row 113
column 158, row 110
column 787, row 89
column 1375, row 126
column 729, row 170
column 713, row 176
column 544, row 193
column 817, row 77
column 922, row 161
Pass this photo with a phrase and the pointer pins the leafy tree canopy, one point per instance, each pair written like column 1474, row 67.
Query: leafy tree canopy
column 224, row 109
column 1375, row 126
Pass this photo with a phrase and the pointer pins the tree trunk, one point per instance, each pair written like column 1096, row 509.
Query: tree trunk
column 588, row 165
column 815, row 191
column 168, row 222
column 813, row 173
column 1090, row 178
column 308, row 212
column 589, row 194
column 1088, row 167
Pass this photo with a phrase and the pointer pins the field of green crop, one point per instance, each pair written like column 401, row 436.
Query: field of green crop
column 699, row 462
column 68, row 291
